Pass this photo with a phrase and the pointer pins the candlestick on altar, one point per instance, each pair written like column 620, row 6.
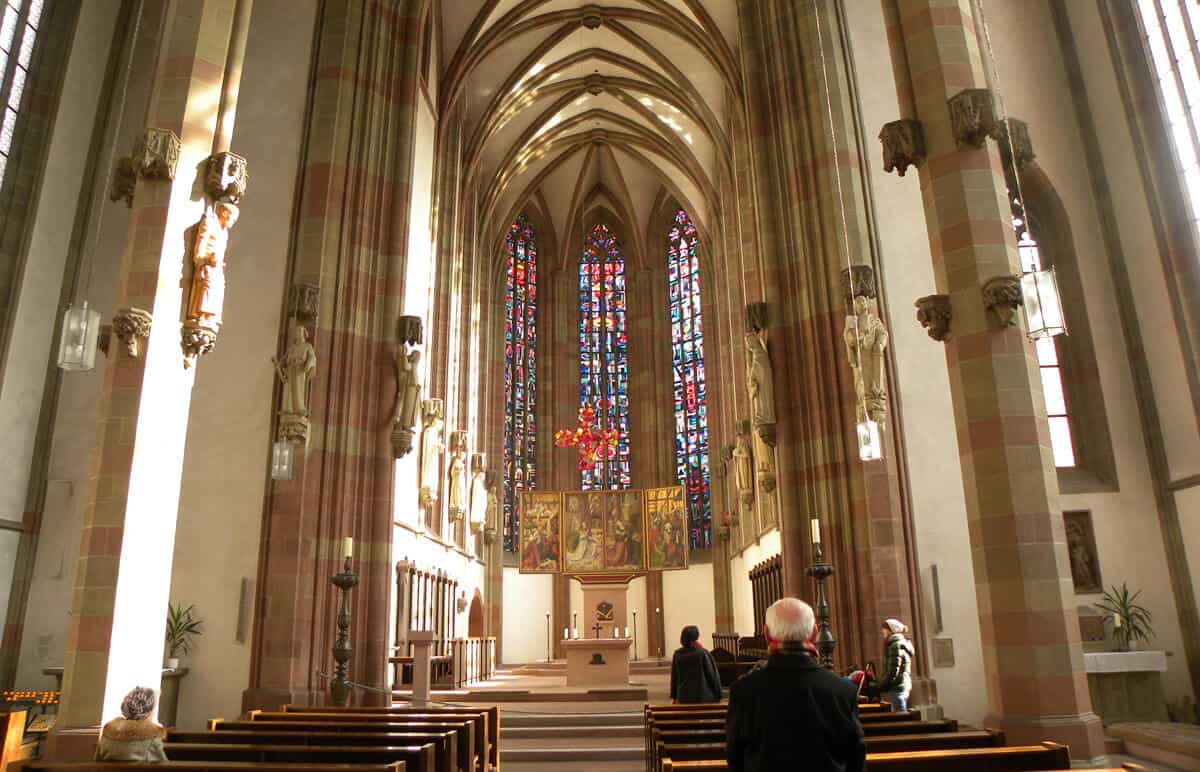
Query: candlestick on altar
column 635, row 635
column 547, row 636
column 820, row 570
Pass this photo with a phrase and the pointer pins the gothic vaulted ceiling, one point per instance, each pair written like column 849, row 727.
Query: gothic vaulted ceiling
column 579, row 107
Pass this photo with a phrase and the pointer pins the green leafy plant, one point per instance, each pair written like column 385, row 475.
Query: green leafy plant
column 182, row 627
column 1134, row 618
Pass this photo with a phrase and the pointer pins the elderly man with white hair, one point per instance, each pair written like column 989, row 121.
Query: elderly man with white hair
column 793, row 713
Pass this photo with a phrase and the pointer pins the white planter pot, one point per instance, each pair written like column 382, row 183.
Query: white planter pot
column 172, row 663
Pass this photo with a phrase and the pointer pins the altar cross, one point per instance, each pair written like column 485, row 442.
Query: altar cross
column 596, row 629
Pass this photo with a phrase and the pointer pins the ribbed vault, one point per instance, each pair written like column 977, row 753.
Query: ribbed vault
column 586, row 106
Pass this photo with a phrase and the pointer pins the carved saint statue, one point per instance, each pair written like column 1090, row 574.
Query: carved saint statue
column 762, row 390
column 408, row 389
column 294, row 370
column 479, row 495
column 431, row 452
column 492, row 520
column 458, row 475
column 743, row 465
column 208, row 264
column 866, row 339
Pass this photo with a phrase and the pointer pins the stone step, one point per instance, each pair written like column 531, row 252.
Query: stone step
column 575, row 757
column 515, row 720
column 529, row 734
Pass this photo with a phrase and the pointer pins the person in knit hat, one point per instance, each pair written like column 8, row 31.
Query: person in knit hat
column 133, row 737
column 895, row 682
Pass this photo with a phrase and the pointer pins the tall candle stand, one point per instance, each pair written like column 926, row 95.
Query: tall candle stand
column 820, row 570
column 340, row 687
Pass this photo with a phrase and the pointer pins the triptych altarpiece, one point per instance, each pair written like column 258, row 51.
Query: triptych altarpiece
column 602, row 532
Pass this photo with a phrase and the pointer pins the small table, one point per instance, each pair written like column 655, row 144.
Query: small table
column 168, row 699
column 597, row 661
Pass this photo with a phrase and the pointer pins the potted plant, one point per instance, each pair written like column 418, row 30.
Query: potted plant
column 182, row 626
column 1131, row 621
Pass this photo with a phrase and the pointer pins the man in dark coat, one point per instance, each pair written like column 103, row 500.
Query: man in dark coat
column 793, row 713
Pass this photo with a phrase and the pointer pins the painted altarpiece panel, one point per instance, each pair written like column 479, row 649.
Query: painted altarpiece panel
column 666, row 529
column 540, row 518
column 583, row 532
column 624, row 520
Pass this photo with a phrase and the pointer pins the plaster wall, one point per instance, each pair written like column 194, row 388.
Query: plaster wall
column 768, row 545
column 1125, row 520
column 923, row 391
column 74, row 431
column 230, row 429
column 687, row 602
column 526, row 599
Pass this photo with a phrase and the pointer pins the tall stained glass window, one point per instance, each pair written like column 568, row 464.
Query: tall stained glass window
column 18, row 31
column 687, row 359
column 603, row 362
column 520, row 371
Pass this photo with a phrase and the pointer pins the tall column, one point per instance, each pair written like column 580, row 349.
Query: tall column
column 1032, row 657
column 124, row 570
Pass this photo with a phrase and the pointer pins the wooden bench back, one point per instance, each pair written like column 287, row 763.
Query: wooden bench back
column 196, row 766
column 417, row 758
column 1027, row 758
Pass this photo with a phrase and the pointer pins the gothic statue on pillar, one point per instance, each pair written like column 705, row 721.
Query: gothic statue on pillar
column 866, row 339
column 207, row 296
column 294, row 370
column 479, row 493
column 408, row 386
column 431, row 451
column 492, row 518
column 743, row 466
column 458, row 475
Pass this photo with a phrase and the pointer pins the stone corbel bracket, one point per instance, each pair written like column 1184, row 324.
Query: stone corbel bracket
column 933, row 312
column 1002, row 296
column 156, row 154
column 973, row 117
column 226, row 177
column 1015, row 143
column 196, row 339
column 130, row 324
column 862, row 286
column 903, row 145
column 757, row 317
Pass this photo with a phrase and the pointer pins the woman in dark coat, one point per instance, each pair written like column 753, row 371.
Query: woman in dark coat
column 693, row 673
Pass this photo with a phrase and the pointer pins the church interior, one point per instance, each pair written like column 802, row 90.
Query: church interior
column 353, row 346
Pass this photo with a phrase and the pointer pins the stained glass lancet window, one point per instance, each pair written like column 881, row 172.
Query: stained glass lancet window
column 18, row 31
column 687, row 359
column 520, row 371
column 603, row 361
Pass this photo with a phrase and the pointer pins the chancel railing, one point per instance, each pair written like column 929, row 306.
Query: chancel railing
column 424, row 601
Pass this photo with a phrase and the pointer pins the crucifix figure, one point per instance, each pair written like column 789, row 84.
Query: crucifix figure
column 596, row 629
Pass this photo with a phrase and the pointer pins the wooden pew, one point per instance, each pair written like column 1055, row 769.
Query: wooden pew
column 448, row 757
column 15, row 748
column 416, row 758
column 197, row 766
column 492, row 713
column 461, row 738
column 1020, row 758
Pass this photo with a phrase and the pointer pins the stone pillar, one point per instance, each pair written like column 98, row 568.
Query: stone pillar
column 115, row 637
column 351, row 251
column 1032, row 656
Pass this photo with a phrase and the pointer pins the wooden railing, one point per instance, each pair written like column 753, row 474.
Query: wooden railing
column 726, row 641
column 454, row 663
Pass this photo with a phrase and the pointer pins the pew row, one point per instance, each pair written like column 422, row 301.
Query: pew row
column 492, row 714
column 1018, row 758
column 416, row 758
column 196, row 766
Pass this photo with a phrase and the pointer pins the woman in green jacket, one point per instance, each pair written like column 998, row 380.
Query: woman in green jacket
column 895, row 681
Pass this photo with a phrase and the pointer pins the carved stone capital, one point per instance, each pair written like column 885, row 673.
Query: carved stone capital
column 432, row 408
column 489, row 535
column 226, row 177
column 304, row 302
column 973, row 117
column 757, row 318
column 903, row 145
column 1016, row 132
column 933, row 312
column 595, row 84
column 196, row 339
column 768, row 434
column 294, row 428
column 129, row 324
column 124, row 181
column 478, row 463
column 1002, row 296
column 410, row 330
column 156, row 154
column 592, row 16
column 864, row 283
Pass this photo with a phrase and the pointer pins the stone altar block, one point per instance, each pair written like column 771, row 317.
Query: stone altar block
column 1127, row 685
column 597, row 661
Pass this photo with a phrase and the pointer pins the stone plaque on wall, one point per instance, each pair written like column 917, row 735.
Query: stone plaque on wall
column 1081, row 549
column 943, row 652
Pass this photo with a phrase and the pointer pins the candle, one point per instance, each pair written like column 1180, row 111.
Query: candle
column 575, row 633
column 547, row 614
column 1116, row 621
column 816, row 530
column 348, row 546
column 566, row 633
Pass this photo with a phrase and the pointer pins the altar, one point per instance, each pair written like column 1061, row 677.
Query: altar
column 597, row 661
